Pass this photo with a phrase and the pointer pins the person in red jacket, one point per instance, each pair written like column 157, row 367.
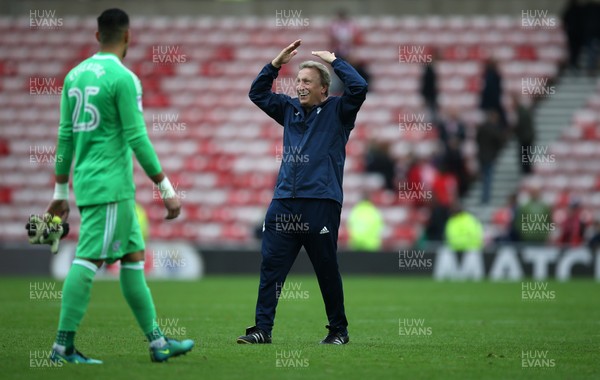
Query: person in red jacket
column 573, row 227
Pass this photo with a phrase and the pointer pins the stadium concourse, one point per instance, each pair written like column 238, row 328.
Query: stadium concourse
column 219, row 150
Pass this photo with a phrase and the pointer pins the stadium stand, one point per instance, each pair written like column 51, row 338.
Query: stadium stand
column 569, row 173
column 221, row 151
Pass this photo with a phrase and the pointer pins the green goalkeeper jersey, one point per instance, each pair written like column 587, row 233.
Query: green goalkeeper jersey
column 101, row 124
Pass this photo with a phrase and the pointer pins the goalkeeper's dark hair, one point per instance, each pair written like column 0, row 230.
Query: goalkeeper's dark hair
column 112, row 23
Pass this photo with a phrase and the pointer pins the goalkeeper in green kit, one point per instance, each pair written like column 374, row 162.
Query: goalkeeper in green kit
column 101, row 124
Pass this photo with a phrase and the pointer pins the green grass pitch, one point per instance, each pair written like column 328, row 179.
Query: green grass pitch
column 400, row 328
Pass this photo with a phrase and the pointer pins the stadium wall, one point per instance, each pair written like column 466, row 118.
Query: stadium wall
column 240, row 8
column 501, row 263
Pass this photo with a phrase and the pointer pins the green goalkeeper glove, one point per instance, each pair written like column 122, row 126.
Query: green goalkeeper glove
column 46, row 230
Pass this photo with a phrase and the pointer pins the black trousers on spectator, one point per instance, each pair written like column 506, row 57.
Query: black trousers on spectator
column 524, row 153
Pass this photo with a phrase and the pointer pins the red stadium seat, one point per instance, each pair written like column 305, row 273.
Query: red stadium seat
column 235, row 233
column 526, row 53
column 404, row 235
column 4, row 147
column 5, row 195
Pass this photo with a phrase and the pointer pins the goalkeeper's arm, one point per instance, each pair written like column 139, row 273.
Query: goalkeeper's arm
column 129, row 104
column 53, row 225
column 146, row 156
column 64, row 157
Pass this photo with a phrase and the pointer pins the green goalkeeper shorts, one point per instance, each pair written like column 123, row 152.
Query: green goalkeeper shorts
column 109, row 231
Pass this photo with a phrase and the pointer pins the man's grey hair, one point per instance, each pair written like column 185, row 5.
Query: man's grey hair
column 323, row 73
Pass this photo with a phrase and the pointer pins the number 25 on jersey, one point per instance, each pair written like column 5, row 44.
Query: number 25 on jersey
column 86, row 116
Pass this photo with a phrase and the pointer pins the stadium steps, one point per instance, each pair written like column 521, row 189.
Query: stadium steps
column 551, row 117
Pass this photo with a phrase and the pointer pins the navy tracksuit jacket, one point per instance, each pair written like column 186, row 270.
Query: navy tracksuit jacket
column 307, row 203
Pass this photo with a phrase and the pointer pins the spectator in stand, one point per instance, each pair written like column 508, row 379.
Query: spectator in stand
column 452, row 134
column 445, row 186
column 451, row 129
column 573, row 22
column 344, row 34
column 491, row 91
column 573, row 227
column 429, row 90
column 464, row 232
column 524, row 130
column 594, row 240
column 533, row 221
column 378, row 160
column 420, row 177
column 510, row 234
column 490, row 139
column 365, row 227
column 444, row 195
column 436, row 223
column 591, row 35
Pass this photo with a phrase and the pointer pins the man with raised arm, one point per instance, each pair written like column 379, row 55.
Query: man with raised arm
column 307, row 203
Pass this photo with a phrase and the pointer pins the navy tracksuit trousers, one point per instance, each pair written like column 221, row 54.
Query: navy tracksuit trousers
column 290, row 224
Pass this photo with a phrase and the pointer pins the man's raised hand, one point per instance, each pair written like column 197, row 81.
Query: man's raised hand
column 286, row 54
column 325, row 55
